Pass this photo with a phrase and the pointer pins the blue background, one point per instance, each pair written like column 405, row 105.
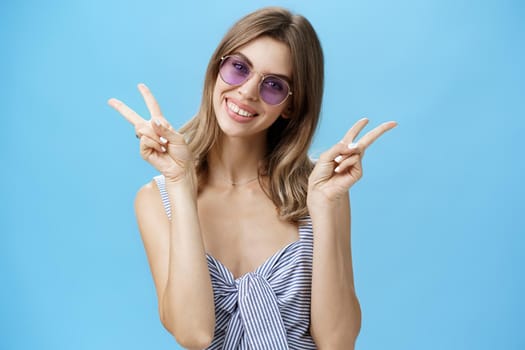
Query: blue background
column 437, row 218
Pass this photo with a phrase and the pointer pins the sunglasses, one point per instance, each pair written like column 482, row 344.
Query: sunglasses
column 273, row 89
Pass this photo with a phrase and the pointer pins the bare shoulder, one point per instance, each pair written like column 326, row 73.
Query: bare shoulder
column 149, row 210
column 147, row 193
column 153, row 225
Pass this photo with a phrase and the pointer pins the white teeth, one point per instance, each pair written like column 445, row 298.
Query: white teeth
column 236, row 109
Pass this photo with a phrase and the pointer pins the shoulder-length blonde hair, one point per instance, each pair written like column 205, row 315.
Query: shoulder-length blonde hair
column 286, row 161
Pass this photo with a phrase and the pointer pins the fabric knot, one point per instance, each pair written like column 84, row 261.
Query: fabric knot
column 257, row 316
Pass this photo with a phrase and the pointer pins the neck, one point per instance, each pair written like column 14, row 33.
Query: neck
column 235, row 161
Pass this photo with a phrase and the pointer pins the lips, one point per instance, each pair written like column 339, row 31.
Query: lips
column 240, row 109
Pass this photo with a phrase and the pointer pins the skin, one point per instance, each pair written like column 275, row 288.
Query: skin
column 245, row 233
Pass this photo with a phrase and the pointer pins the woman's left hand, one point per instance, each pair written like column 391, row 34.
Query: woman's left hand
column 340, row 167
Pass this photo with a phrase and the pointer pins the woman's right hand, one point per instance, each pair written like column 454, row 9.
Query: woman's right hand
column 160, row 144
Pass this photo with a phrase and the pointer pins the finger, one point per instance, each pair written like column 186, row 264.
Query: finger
column 347, row 163
column 162, row 128
column 130, row 115
column 150, row 143
column 350, row 150
column 374, row 134
column 340, row 151
column 151, row 102
column 352, row 133
column 146, row 129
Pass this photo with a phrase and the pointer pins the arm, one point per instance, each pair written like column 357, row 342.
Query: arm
column 178, row 264
column 174, row 248
column 335, row 310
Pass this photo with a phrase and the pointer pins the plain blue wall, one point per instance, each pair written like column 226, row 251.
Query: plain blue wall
column 437, row 219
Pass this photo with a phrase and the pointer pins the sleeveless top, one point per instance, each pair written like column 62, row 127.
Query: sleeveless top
column 268, row 308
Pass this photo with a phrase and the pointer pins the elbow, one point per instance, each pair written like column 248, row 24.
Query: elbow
column 338, row 341
column 192, row 338
column 194, row 341
column 341, row 335
column 355, row 325
column 356, row 322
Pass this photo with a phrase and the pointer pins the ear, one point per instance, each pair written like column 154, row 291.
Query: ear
column 286, row 113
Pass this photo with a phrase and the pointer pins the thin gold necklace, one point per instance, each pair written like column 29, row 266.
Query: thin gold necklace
column 241, row 183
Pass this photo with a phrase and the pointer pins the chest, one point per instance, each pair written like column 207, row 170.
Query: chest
column 242, row 230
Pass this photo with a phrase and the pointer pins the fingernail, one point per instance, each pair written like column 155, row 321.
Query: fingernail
column 163, row 148
column 338, row 159
column 156, row 121
column 163, row 140
column 338, row 169
column 352, row 145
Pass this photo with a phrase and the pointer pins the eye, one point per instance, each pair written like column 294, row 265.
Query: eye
column 275, row 84
column 240, row 66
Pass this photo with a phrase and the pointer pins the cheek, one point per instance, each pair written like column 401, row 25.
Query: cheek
column 217, row 92
column 220, row 86
column 276, row 111
column 219, row 89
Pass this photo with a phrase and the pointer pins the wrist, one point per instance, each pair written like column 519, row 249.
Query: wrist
column 184, row 186
column 319, row 202
column 321, row 205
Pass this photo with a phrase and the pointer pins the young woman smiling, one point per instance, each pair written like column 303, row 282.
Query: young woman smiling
column 247, row 239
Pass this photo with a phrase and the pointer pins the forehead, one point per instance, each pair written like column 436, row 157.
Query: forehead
column 268, row 55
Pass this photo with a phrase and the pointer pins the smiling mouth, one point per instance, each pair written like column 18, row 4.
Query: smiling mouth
column 238, row 110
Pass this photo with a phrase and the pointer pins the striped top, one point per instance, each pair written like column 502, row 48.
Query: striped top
column 268, row 308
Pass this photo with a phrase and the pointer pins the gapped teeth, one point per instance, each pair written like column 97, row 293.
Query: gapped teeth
column 232, row 106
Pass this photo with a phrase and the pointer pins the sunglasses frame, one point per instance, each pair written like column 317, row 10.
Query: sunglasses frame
column 263, row 76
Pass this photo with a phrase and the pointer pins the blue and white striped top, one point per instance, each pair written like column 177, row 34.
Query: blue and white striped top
column 268, row 308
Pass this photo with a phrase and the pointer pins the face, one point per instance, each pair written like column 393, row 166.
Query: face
column 240, row 110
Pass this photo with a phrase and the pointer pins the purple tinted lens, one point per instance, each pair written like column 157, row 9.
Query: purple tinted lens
column 273, row 90
column 234, row 71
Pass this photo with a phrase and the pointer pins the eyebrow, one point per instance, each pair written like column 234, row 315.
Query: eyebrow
column 251, row 66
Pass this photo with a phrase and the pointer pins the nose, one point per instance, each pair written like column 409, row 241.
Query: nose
column 250, row 88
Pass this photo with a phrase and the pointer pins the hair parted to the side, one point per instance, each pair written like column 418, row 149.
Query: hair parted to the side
column 286, row 163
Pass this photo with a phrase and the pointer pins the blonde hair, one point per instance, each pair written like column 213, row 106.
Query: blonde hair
column 286, row 161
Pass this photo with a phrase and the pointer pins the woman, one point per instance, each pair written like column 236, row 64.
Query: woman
column 248, row 241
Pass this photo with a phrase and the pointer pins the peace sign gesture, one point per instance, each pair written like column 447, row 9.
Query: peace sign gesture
column 340, row 167
column 160, row 144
